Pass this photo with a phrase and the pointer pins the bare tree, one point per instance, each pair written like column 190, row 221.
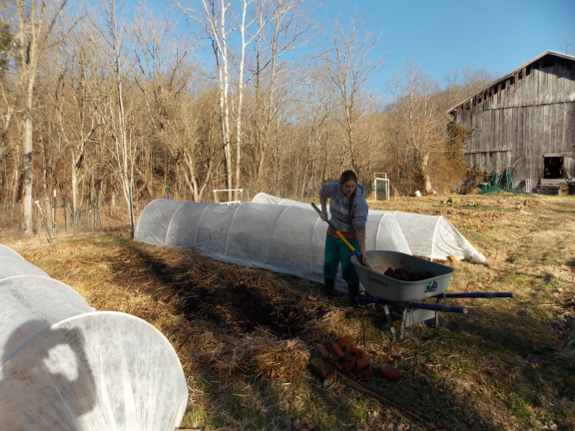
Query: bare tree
column 178, row 107
column 419, row 125
column 460, row 84
column 6, row 45
column 214, row 18
column 6, row 92
column 315, row 113
column 76, row 99
column 232, row 26
column 351, row 65
column 569, row 43
column 272, row 78
column 35, row 24
column 114, row 112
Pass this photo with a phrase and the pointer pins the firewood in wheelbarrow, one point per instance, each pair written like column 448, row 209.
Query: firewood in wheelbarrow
column 391, row 273
column 404, row 275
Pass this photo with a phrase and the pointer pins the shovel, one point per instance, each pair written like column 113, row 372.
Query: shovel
column 339, row 234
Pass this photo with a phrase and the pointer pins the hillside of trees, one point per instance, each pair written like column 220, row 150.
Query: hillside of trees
column 103, row 103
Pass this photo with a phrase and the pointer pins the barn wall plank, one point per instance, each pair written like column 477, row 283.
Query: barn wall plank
column 539, row 88
column 507, row 129
column 569, row 126
column 527, row 139
column 560, row 95
column 530, row 99
column 570, row 85
column 520, row 89
column 536, row 121
column 559, row 126
column 500, row 118
column 517, row 92
column 552, row 81
column 545, row 130
column 551, row 131
column 519, row 143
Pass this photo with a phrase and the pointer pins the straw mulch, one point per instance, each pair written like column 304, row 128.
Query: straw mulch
column 242, row 323
column 227, row 322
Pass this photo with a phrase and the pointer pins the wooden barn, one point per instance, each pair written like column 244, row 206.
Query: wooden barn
column 524, row 124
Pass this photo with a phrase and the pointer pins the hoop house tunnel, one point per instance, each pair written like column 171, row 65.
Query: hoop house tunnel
column 66, row 367
column 283, row 238
column 430, row 236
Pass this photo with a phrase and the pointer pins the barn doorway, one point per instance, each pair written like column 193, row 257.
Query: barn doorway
column 553, row 167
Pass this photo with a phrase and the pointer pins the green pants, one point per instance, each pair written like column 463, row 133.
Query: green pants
column 337, row 252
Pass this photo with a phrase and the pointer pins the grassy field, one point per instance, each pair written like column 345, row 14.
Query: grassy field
column 244, row 336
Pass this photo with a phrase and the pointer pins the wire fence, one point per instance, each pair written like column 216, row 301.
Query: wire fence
column 55, row 217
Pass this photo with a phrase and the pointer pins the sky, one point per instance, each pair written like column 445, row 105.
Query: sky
column 444, row 35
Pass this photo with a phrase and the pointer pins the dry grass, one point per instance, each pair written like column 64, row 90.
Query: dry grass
column 244, row 335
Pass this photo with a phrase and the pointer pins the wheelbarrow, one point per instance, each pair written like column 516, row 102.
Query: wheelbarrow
column 426, row 280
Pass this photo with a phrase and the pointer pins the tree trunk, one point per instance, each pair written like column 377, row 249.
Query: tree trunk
column 28, row 159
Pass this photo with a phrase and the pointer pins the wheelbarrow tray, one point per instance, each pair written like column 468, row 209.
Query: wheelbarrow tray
column 381, row 286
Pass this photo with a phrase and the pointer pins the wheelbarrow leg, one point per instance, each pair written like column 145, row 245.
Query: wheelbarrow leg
column 403, row 321
column 389, row 320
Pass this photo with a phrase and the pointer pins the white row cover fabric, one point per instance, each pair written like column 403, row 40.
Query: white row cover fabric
column 66, row 367
column 427, row 235
column 288, row 239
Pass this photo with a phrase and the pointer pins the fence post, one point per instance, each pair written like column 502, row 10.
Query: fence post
column 65, row 214
column 44, row 221
column 54, row 219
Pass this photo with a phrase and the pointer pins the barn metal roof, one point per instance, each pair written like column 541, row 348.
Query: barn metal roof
column 512, row 73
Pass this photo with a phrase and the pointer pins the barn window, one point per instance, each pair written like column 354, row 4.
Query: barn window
column 503, row 85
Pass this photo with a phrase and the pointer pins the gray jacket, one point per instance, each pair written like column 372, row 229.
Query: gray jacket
column 339, row 208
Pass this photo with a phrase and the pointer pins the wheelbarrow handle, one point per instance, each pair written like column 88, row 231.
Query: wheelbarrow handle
column 434, row 307
column 478, row 295
column 340, row 235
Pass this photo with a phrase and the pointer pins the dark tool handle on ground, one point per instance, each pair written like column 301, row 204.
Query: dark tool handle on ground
column 434, row 307
column 477, row 295
column 351, row 247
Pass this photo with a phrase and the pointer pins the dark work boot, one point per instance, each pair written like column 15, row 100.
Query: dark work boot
column 329, row 287
column 352, row 293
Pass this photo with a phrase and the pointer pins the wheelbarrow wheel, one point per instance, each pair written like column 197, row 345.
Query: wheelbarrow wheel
column 376, row 309
column 431, row 323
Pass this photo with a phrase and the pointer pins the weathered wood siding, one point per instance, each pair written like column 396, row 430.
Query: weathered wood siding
column 518, row 120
